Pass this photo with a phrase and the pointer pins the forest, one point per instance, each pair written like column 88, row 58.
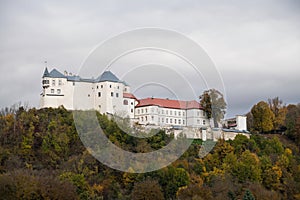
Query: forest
column 42, row 157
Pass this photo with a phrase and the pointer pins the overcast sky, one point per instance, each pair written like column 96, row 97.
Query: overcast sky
column 254, row 44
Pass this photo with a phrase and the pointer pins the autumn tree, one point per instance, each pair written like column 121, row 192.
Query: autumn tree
column 262, row 117
column 147, row 190
column 214, row 105
column 279, row 110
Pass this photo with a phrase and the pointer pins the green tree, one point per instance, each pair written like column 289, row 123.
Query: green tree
column 248, row 168
column 291, row 120
column 262, row 117
column 248, row 196
column 214, row 105
column 171, row 179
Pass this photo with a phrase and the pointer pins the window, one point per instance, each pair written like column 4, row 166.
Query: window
column 198, row 113
column 142, row 119
column 203, row 122
column 179, row 113
column 175, row 113
column 73, row 83
column 131, row 110
column 109, row 86
column 152, row 109
column 118, row 87
column 162, row 111
column 131, row 103
column 170, row 120
column 89, row 95
column 125, row 102
column 99, row 94
column 166, row 111
column 52, row 91
column 183, row 113
column 146, row 110
column 142, row 110
column 101, row 86
column 117, row 95
column 53, row 82
column 58, row 91
column 152, row 118
column 179, row 121
column 183, row 121
column 97, row 86
column 171, row 113
column 175, row 121
column 145, row 118
column 138, row 111
column 167, row 120
column 162, row 120
column 45, row 81
column 111, row 94
column 125, row 89
column 59, row 82
column 198, row 121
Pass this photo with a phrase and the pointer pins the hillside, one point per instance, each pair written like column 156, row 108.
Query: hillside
column 42, row 157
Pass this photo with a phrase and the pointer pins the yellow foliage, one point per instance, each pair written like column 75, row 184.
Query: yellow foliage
column 288, row 151
column 98, row 188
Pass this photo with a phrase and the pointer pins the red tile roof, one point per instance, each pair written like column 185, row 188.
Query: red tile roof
column 168, row 103
column 129, row 95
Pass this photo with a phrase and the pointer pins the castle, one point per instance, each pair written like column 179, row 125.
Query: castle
column 111, row 96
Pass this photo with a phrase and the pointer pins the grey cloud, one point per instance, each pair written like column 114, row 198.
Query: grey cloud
column 255, row 44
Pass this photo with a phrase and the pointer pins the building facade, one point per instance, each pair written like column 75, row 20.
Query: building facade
column 109, row 95
column 170, row 113
column 106, row 94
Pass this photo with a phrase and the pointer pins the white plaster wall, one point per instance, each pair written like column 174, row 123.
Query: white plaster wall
column 241, row 122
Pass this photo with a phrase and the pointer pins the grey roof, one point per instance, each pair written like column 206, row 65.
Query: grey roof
column 108, row 76
column 53, row 74
column 46, row 73
column 73, row 78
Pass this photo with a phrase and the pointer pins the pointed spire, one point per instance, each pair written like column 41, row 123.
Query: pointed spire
column 46, row 73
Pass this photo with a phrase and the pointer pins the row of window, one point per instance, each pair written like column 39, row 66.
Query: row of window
column 203, row 122
column 176, row 113
column 125, row 102
column 58, row 91
column 111, row 94
column 53, row 82
column 110, row 86
column 162, row 120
